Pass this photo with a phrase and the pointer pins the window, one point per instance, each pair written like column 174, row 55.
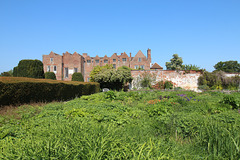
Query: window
column 54, row 68
column 66, row 72
column 114, row 60
column 97, row 61
column 105, row 61
column 136, row 67
column 88, row 61
column 51, row 59
column 124, row 59
column 139, row 59
column 114, row 66
column 142, row 66
column 48, row 68
column 75, row 70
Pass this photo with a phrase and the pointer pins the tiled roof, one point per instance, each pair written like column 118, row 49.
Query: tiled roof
column 156, row 66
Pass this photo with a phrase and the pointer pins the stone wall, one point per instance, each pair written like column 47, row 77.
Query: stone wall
column 179, row 78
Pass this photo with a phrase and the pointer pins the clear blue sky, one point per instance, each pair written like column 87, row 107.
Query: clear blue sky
column 202, row 32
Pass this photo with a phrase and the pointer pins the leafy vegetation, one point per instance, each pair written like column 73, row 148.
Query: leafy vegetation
column 228, row 66
column 126, row 125
column 218, row 80
column 29, row 68
column 112, row 78
column 77, row 76
column 20, row 90
column 175, row 64
column 50, row 75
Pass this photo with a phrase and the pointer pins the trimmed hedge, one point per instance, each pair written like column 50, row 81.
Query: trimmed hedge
column 15, row 91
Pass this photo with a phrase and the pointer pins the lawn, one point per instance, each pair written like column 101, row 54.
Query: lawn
column 125, row 125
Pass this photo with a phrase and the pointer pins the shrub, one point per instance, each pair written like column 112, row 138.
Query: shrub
column 50, row 75
column 203, row 87
column 29, row 68
column 229, row 99
column 168, row 85
column 24, row 90
column 77, row 76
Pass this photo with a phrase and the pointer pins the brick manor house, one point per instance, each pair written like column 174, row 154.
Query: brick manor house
column 66, row 64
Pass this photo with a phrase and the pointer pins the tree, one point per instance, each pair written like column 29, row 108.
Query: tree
column 7, row 74
column 50, row 75
column 98, row 69
column 113, row 79
column 77, row 76
column 228, row 66
column 188, row 67
column 175, row 64
column 29, row 68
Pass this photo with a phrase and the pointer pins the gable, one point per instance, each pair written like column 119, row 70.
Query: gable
column 139, row 55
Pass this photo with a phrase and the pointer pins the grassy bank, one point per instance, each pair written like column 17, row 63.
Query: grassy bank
column 119, row 125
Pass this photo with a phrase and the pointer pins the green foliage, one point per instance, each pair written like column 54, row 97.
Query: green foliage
column 218, row 80
column 26, row 90
column 7, row 74
column 168, row 85
column 110, row 95
column 175, row 64
column 146, row 79
column 98, row 69
column 113, row 79
column 229, row 99
column 188, row 67
column 77, row 76
column 228, row 66
column 50, row 75
column 29, row 68
column 125, row 125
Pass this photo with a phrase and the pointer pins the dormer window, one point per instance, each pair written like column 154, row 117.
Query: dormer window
column 139, row 59
column 124, row 59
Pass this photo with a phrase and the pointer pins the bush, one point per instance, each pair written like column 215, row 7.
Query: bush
column 24, row 90
column 168, row 85
column 77, row 76
column 50, row 75
column 29, row 68
column 229, row 99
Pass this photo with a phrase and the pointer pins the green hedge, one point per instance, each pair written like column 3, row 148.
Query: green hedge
column 15, row 91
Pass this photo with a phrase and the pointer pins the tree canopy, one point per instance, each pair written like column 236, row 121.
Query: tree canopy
column 112, row 78
column 98, row 69
column 175, row 64
column 228, row 66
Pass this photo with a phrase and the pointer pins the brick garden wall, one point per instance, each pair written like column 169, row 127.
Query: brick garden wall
column 179, row 78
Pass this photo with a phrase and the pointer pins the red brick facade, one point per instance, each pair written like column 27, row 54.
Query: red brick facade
column 64, row 66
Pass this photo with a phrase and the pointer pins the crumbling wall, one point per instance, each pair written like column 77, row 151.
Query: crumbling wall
column 185, row 80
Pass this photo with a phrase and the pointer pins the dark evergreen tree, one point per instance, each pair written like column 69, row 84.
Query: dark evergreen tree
column 29, row 68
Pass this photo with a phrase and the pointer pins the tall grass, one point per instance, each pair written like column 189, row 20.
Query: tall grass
column 126, row 126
